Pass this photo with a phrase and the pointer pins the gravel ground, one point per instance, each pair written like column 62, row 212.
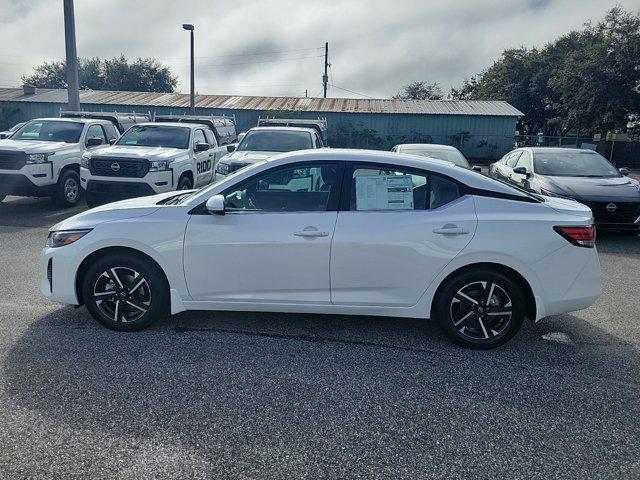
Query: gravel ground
column 253, row 395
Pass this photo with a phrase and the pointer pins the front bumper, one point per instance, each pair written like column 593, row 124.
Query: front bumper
column 124, row 187
column 30, row 180
column 58, row 267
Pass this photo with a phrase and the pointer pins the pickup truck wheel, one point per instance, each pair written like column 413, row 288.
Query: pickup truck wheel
column 185, row 183
column 68, row 189
column 124, row 292
column 480, row 309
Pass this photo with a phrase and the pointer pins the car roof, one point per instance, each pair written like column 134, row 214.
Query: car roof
column 286, row 129
column 430, row 146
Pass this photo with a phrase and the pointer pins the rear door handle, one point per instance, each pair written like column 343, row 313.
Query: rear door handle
column 309, row 232
column 450, row 229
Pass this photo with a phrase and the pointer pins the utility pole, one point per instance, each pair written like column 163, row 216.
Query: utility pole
column 325, row 77
column 72, row 56
column 192, row 101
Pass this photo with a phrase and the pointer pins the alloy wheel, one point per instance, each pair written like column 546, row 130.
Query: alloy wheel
column 122, row 294
column 481, row 310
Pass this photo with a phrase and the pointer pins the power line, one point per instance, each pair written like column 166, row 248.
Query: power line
column 351, row 91
column 259, row 62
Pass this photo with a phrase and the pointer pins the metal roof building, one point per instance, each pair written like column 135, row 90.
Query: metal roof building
column 484, row 129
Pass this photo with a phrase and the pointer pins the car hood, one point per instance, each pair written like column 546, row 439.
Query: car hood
column 33, row 146
column 247, row 157
column 124, row 151
column 585, row 188
column 131, row 208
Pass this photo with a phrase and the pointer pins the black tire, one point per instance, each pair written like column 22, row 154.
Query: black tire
column 93, row 200
column 68, row 190
column 121, row 300
column 185, row 183
column 485, row 324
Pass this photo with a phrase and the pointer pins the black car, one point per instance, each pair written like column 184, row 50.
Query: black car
column 582, row 175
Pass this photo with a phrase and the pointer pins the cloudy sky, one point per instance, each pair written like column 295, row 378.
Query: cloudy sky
column 276, row 47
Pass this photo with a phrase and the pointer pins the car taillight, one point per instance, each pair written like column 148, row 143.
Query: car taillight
column 579, row 236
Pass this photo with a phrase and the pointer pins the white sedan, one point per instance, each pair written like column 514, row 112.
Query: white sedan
column 333, row 231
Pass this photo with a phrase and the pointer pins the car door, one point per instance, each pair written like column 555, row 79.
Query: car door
column 397, row 229
column 95, row 131
column 273, row 243
column 204, row 160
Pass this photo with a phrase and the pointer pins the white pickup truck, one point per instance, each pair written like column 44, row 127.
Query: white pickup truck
column 152, row 158
column 42, row 157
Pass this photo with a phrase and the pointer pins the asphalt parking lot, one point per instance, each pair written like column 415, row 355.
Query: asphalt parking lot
column 254, row 395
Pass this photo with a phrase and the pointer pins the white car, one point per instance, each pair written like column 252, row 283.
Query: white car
column 260, row 143
column 433, row 150
column 150, row 158
column 333, row 231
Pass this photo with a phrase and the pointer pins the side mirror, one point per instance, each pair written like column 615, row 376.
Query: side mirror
column 201, row 147
column 113, row 141
column 231, row 148
column 4, row 135
column 521, row 171
column 624, row 171
column 215, row 205
column 93, row 142
column 476, row 168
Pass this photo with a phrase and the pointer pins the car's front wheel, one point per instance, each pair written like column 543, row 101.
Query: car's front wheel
column 124, row 292
column 68, row 189
column 480, row 308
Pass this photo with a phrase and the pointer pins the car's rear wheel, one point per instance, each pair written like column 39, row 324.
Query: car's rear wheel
column 480, row 308
column 124, row 292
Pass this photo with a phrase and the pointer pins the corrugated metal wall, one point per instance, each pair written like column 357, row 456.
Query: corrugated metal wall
column 484, row 137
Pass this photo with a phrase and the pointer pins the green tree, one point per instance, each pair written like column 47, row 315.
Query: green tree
column 420, row 91
column 141, row 75
column 586, row 81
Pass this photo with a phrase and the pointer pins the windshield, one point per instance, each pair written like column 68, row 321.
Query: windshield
column 156, row 136
column 573, row 164
column 453, row 156
column 50, row 131
column 275, row 141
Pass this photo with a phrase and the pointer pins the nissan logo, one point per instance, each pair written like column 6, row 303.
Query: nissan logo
column 612, row 207
column 116, row 166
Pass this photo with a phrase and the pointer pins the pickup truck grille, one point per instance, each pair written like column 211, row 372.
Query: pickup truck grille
column 12, row 160
column 625, row 212
column 119, row 167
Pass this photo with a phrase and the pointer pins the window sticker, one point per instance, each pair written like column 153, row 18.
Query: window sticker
column 384, row 192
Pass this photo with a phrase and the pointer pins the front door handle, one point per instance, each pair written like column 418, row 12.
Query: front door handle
column 310, row 232
column 450, row 229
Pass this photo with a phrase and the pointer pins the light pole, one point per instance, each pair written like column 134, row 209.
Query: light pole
column 72, row 56
column 190, row 28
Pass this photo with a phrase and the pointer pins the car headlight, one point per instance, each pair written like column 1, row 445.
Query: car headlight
column 65, row 237
column 84, row 160
column 159, row 165
column 35, row 158
column 549, row 193
column 222, row 168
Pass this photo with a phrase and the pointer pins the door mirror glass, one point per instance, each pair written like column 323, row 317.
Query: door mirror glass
column 231, row 148
column 94, row 142
column 215, row 205
column 202, row 147
column 521, row 171
column 624, row 171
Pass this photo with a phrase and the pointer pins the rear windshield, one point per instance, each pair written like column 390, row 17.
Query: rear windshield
column 275, row 141
column 573, row 164
column 50, row 131
column 156, row 136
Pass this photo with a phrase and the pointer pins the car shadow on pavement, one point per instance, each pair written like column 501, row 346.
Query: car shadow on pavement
column 34, row 212
column 272, row 393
